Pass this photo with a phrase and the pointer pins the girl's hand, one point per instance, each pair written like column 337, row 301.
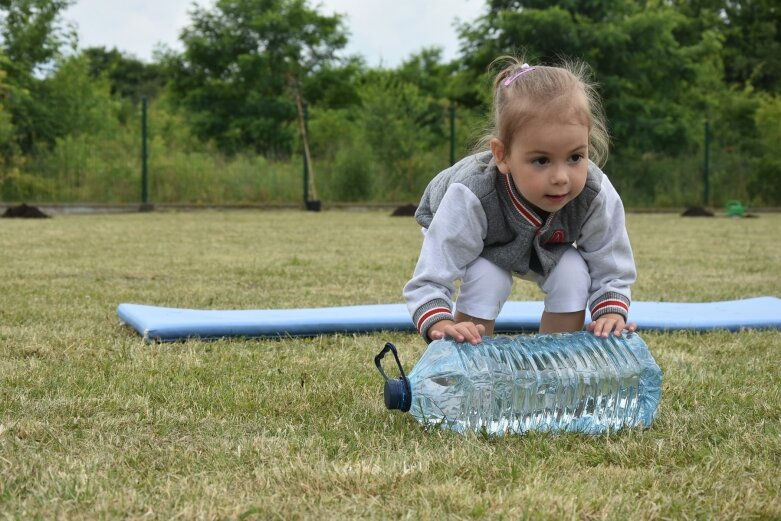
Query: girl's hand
column 610, row 322
column 460, row 332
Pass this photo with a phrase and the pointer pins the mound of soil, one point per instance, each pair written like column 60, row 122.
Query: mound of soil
column 696, row 211
column 407, row 210
column 25, row 211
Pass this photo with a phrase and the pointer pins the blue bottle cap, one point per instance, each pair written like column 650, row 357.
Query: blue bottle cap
column 397, row 394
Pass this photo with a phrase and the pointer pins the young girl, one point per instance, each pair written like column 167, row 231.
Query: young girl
column 536, row 206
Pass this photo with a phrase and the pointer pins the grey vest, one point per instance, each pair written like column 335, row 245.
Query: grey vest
column 517, row 239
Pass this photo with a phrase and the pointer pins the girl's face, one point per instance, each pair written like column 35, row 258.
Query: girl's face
column 547, row 160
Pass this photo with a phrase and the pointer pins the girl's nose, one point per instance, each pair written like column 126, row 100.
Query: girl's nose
column 559, row 175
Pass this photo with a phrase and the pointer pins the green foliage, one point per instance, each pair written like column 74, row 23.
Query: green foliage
column 396, row 120
column 387, row 147
column 13, row 183
column 86, row 168
column 241, row 59
column 32, row 34
column 347, row 167
column 20, row 186
column 752, row 46
column 129, row 77
column 31, row 38
column 71, row 114
column 766, row 183
column 7, row 144
column 74, row 103
column 427, row 71
column 661, row 69
column 650, row 80
column 334, row 86
column 354, row 172
column 223, row 116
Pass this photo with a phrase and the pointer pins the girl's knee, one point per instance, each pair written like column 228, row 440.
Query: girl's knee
column 568, row 285
column 485, row 288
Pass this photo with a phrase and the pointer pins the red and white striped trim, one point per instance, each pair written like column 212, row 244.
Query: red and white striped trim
column 430, row 313
column 610, row 303
column 527, row 214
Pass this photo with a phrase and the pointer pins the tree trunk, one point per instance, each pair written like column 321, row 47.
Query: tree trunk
column 304, row 137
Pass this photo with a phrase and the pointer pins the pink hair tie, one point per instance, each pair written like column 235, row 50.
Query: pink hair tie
column 524, row 69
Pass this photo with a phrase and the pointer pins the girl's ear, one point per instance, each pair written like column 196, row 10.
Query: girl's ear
column 500, row 155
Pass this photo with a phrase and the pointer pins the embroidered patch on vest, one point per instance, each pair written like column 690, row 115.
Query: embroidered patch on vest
column 557, row 236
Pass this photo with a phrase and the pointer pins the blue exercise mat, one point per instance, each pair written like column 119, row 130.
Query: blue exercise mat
column 168, row 324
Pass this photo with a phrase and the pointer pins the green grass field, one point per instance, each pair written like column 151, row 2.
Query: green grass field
column 94, row 423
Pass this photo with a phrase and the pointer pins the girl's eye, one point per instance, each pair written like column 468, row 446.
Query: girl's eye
column 575, row 158
column 540, row 161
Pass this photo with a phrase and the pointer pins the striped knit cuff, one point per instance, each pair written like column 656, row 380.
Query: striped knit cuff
column 430, row 313
column 610, row 302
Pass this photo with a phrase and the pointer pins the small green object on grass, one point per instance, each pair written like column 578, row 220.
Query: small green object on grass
column 735, row 209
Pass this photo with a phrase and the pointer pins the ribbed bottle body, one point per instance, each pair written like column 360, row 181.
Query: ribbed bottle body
column 573, row 382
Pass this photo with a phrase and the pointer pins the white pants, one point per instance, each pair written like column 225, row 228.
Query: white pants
column 486, row 287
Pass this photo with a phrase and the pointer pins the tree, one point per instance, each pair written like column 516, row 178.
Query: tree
column 240, row 61
column 74, row 103
column 7, row 142
column 751, row 35
column 766, row 184
column 398, row 127
column 652, row 78
column 432, row 78
column 32, row 33
column 335, row 85
column 752, row 47
column 130, row 78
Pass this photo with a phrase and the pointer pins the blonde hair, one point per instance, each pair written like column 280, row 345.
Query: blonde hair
column 521, row 96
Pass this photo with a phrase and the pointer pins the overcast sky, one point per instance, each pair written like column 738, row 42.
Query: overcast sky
column 385, row 32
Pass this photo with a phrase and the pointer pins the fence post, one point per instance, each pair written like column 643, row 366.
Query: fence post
column 145, row 206
column 306, row 162
column 706, row 166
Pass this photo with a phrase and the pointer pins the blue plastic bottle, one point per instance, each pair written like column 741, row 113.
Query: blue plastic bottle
column 572, row 382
